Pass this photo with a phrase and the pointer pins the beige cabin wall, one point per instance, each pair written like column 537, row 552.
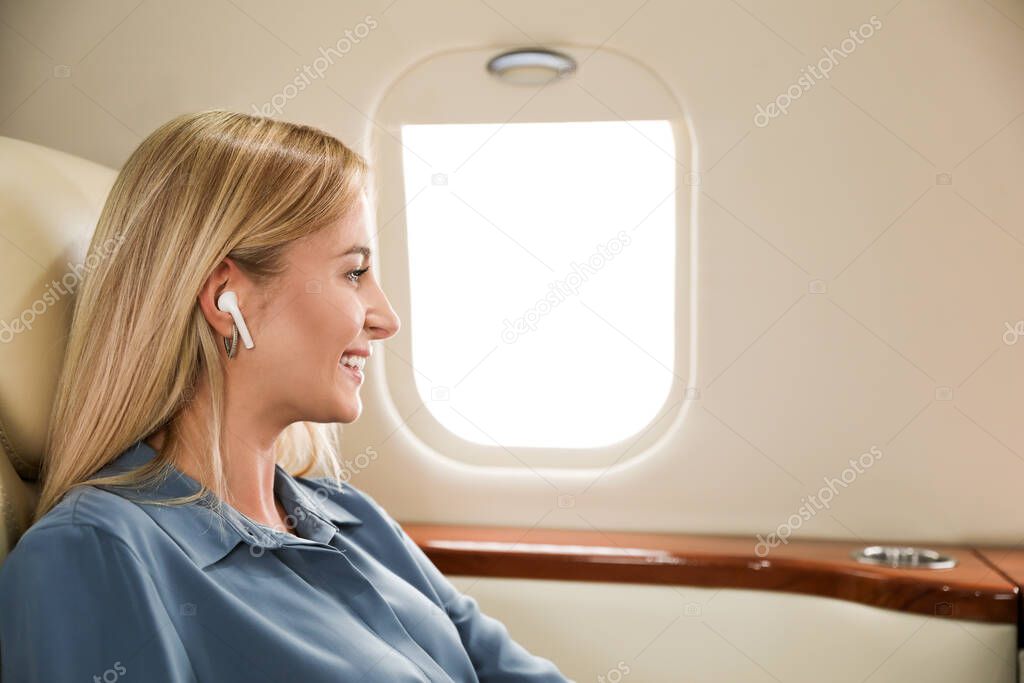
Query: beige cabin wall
column 856, row 261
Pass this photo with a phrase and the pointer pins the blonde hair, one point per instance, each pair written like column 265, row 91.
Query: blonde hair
column 202, row 187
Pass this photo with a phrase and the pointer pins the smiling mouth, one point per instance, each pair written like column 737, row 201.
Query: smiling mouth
column 355, row 373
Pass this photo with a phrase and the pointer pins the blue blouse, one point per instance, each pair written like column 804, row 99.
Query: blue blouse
column 104, row 588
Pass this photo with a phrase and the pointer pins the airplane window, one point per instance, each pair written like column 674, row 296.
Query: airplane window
column 542, row 277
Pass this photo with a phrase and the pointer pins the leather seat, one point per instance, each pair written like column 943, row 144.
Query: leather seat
column 49, row 204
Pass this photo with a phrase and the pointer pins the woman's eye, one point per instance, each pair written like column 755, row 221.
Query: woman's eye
column 356, row 274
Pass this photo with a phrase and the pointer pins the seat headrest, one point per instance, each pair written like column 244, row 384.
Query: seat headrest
column 49, row 204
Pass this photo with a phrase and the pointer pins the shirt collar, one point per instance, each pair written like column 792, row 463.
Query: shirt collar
column 207, row 536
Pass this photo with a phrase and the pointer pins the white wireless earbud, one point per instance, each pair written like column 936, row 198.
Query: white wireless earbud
column 228, row 301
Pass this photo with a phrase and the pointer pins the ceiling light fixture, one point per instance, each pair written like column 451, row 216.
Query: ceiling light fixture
column 531, row 66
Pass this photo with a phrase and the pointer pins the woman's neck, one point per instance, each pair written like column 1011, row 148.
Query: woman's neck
column 249, row 477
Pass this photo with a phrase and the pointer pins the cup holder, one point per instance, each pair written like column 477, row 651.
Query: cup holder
column 906, row 557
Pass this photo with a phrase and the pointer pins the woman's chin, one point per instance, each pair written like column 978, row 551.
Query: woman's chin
column 344, row 409
column 350, row 411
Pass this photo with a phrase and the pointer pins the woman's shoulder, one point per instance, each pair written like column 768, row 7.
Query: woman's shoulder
column 94, row 506
column 86, row 517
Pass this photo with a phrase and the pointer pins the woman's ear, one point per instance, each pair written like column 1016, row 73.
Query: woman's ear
column 225, row 276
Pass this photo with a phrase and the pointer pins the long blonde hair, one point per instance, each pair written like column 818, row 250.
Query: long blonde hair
column 201, row 187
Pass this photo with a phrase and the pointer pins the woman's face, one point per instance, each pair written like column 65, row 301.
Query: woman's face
column 322, row 308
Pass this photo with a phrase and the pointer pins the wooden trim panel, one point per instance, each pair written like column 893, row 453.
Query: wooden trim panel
column 973, row 590
column 1009, row 561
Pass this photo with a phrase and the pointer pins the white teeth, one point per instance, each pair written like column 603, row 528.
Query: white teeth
column 358, row 362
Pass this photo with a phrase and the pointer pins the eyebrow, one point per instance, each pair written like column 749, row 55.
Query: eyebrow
column 358, row 249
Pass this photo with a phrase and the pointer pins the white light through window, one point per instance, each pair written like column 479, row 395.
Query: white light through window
column 542, row 278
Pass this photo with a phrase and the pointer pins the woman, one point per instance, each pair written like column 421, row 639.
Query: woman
column 170, row 541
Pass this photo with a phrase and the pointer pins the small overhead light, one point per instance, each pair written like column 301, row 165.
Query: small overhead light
column 531, row 66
